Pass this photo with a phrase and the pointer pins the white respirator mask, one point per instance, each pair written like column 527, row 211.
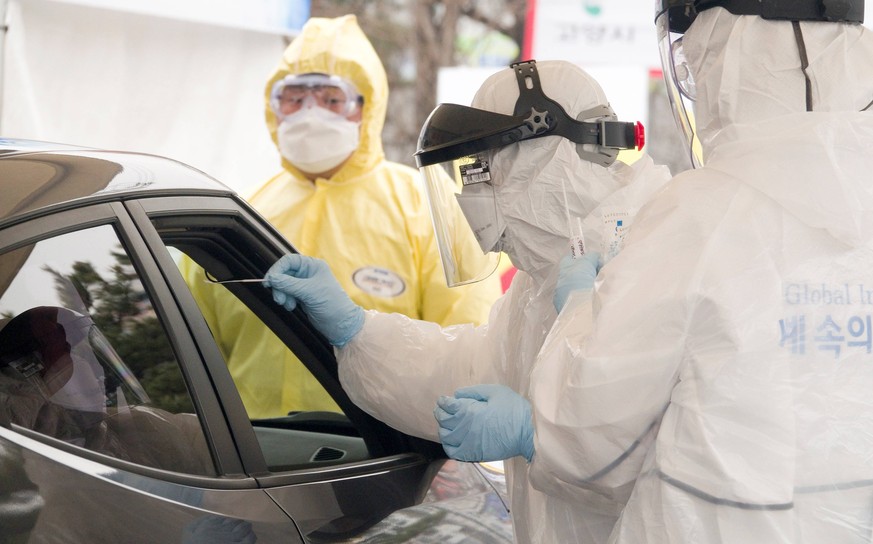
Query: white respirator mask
column 317, row 140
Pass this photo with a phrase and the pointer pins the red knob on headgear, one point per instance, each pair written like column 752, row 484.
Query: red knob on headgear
column 639, row 135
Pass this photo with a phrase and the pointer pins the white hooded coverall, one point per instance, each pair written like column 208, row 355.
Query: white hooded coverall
column 395, row 368
column 729, row 369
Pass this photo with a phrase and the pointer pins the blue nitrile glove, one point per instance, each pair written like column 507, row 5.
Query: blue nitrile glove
column 307, row 280
column 575, row 275
column 485, row 423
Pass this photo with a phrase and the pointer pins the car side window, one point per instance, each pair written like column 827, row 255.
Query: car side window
column 271, row 380
column 85, row 359
column 296, row 419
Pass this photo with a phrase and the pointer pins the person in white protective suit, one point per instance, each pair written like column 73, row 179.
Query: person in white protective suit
column 534, row 188
column 724, row 376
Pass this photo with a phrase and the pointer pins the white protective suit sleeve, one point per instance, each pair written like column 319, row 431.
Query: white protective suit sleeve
column 396, row 367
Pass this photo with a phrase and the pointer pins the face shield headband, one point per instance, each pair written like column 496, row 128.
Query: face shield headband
column 456, row 146
column 453, row 131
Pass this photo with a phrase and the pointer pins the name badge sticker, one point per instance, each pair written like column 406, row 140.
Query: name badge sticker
column 379, row 282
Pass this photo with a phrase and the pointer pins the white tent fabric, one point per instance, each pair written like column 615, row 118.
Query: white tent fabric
column 103, row 78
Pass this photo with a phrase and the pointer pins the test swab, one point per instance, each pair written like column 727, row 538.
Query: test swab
column 577, row 239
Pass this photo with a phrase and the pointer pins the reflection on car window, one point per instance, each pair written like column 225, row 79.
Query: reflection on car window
column 85, row 359
column 271, row 380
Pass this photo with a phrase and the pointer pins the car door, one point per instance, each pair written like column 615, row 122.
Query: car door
column 156, row 459
column 338, row 473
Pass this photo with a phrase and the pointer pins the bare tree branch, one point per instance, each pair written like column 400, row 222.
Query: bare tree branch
column 415, row 38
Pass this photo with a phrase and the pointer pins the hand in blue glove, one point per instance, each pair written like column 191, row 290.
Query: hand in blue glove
column 575, row 275
column 485, row 423
column 307, row 280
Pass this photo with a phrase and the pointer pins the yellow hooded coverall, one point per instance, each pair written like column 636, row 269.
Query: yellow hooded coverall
column 369, row 221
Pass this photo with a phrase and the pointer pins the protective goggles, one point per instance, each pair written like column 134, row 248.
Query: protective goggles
column 294, row 92
column 454, row 155
column 681, row 13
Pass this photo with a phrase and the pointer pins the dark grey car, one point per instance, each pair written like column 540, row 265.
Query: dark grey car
column 119, row 420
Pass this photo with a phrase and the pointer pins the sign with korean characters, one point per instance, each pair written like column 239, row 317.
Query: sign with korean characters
column 589, row 32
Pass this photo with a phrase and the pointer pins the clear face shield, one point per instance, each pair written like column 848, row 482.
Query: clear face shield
column 455, row 152
column 464, row 212
column 681, row 90
column 66, row 358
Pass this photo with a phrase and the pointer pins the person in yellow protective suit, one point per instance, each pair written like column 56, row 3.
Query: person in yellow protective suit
column 339, row 199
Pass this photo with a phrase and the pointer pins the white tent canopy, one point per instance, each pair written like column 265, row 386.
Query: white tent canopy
column 185, row 88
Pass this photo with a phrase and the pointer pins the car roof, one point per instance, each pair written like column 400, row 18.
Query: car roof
column 36, row 177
